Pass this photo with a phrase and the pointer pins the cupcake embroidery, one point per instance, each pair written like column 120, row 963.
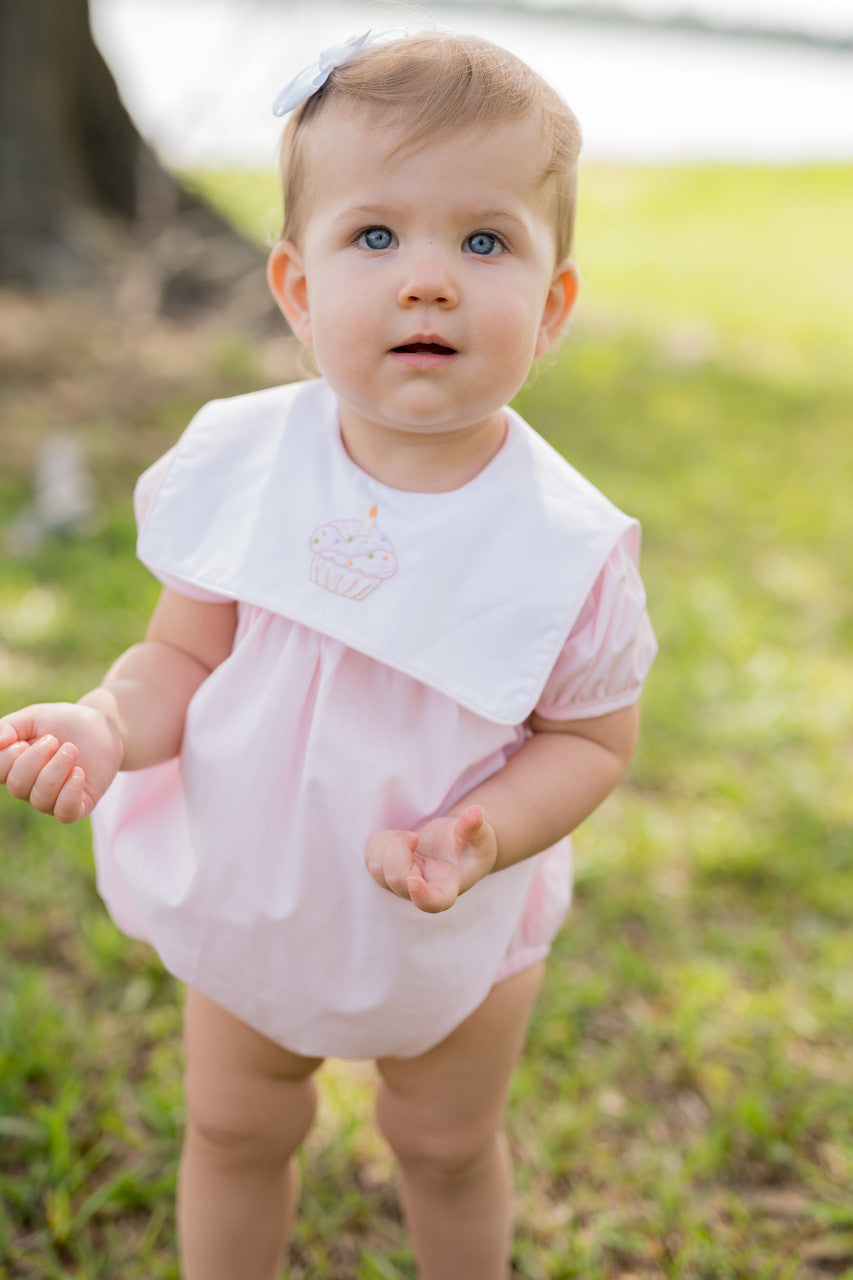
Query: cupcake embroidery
column 351, row 557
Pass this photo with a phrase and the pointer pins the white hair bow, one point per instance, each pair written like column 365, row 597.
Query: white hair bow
column 312, row 78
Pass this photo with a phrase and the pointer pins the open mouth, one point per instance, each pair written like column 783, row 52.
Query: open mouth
column 425, row 348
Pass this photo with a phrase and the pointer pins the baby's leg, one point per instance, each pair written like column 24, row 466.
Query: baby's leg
column 250, row 1103
column 442, row 1114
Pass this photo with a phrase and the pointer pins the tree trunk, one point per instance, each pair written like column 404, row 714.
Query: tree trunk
column 79, row 187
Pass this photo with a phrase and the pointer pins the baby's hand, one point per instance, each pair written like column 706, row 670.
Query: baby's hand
column 60, row 757
column 434, row 865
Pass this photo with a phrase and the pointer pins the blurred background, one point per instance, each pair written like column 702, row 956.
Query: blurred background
column 650, row 79
column 685, row 1108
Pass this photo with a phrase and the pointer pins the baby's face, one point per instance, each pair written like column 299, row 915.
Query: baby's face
column 425, row 283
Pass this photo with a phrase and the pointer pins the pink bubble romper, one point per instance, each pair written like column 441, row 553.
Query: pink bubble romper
column 390, row 648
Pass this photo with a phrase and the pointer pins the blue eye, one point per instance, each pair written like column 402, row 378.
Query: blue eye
column 376, row 238
column 484, row 244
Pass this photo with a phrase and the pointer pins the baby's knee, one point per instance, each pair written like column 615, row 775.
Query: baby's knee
column 436, row 1147
column 252, row 1122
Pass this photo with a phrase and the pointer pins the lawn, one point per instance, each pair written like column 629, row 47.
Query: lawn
column 685, row 1108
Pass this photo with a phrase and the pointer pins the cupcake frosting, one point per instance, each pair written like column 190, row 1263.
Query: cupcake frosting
column 357, row 549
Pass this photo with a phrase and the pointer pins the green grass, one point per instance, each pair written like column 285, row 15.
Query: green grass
column 685, row 1108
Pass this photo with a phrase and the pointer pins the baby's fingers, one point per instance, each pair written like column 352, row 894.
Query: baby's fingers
column 471, row 826
column 27, row 764
column 8, row 734
column 19, row 726
column 40, row 771
column 58, row 789
column 476, row 836
column 12, row 745
column 434, row 895
column 73, row 802
column 8, row 756
column 398, row 864
column 389, row 859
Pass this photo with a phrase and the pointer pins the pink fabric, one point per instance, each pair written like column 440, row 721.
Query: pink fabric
column 609, row 651
column 243, row 863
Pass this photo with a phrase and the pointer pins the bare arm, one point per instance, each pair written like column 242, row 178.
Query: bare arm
column 145, row 694
column 61, row 757
column 551, row 784
column 556, row 780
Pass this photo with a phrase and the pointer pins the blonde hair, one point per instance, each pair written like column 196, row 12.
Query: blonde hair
column 432, row 85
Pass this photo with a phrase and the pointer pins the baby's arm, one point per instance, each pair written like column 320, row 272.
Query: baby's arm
column 545, row 790
column 61, row 757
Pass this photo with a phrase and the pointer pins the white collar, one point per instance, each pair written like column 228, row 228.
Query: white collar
column 471, row 592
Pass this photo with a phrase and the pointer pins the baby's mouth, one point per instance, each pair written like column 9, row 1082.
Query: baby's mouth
column 425, row 348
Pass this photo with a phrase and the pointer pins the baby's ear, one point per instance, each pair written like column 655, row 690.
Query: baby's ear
column 558, row 305
column 286, row 279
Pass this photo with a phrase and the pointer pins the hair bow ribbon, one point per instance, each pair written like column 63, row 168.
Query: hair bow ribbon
column 312, row 78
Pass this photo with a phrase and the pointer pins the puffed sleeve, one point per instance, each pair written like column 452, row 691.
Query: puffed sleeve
column 144, row 494
column 610, row 650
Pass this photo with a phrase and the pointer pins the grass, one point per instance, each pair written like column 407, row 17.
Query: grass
column 685, row 1108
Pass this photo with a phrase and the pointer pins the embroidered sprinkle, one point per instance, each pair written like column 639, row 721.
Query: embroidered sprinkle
column 357, row 571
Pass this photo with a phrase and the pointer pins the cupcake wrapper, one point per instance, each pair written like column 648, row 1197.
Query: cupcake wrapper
column 343, row 582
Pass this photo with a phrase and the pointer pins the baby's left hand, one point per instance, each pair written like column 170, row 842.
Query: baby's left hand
column 433, row 866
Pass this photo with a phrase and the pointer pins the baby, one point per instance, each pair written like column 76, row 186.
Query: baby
column 395, row 662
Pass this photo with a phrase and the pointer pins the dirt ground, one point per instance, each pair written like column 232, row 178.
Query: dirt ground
column 81, row 362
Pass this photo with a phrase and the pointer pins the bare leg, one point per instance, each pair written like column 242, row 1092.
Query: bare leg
column 442, row 1113
column 250, row 1104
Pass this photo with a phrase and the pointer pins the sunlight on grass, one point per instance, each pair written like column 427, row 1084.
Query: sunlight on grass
column 32, row 616
column 249, row 199
column 684, row 1108
column 746, row 263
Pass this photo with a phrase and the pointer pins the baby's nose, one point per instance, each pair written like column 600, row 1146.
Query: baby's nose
column 428, row 280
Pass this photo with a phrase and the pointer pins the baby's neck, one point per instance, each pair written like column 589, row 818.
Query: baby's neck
column 419, row 462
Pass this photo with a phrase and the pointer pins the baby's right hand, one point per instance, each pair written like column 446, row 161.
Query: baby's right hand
column 60, row 757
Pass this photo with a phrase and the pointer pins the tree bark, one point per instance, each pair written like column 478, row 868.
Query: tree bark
column 79, row 187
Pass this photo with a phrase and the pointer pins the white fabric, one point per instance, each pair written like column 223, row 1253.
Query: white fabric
column 510, row 557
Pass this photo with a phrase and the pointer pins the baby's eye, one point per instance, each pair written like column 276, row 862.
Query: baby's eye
column 484, row 244
column 376, row 238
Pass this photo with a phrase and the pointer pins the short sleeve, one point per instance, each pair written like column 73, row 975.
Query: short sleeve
column 610, row 649
column 144, row 494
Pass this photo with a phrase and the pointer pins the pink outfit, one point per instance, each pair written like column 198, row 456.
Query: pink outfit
column 243, row 863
